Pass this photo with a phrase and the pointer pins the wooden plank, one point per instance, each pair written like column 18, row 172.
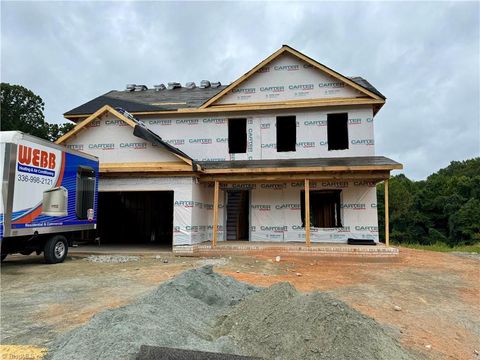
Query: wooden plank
column 215, row 213
column 82, row 124
column 332, row 73
column 265, row 106
column 95, row 115
column 376, row 176
column 295, row 53
column 387, row 222
column 244, row 77
column 144, row 167
column 307, row 212
column 303, row 169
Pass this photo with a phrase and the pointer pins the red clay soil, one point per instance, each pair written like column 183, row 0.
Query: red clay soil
column 438, row 293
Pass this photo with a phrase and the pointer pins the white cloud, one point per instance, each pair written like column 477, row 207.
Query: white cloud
column 423, row 56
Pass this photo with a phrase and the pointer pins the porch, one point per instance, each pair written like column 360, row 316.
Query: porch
column 333, row 215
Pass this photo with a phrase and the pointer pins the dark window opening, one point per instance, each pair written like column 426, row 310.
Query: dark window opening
column 324, row 208
column 286, row 133
column 337, row 131
column 237, row 136
column 85, row 195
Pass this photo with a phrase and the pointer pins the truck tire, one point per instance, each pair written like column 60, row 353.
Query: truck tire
column 56, row 249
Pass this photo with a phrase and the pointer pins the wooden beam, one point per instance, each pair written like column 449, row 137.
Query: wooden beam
column 304, row 169
column 374, row 176
column 82, row 124
column 307, row 212
column 215, row 213
column 244, row 108
column 243, row 77
column 144, row 167
column 387, row 222
column 299, row 55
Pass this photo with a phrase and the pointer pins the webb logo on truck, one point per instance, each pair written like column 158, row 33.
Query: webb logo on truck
column 38, row 158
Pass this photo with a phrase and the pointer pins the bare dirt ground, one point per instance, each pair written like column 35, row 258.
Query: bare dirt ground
column 438, row 293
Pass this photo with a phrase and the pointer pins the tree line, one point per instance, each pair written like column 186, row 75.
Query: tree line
column 22, row 110
column 444, row 208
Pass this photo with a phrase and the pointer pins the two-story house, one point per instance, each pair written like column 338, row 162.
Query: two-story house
column 286, row 153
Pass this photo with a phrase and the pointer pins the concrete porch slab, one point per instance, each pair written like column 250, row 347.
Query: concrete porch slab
column 291, row 248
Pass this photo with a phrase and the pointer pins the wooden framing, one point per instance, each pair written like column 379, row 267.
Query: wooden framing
column 291, row 104
column 145, row 167
column 387, row 220
column 303, row 169
column 104, row 109
column 215, row 213
column 307, row 212
column 288, row 49
column 375, row 176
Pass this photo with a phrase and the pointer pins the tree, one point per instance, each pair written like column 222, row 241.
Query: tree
column 22, row 110
column 465, row 224
column 443, row 208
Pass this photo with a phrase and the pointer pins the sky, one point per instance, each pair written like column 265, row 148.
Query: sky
column 423, row 56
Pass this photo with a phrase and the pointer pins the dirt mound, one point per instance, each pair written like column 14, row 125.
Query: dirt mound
column 202, row 310
column 280, row 323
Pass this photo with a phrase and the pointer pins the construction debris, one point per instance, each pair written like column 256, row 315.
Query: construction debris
column 111, row 259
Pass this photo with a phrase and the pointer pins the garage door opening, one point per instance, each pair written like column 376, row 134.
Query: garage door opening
column 136, row 217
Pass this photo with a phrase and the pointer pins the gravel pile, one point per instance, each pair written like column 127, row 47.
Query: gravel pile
column 111, row 259
column 202, row 310
column 281, row 323
column 177, row 314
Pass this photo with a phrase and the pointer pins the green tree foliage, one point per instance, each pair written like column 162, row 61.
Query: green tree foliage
column 22, row 110
column 443, row 208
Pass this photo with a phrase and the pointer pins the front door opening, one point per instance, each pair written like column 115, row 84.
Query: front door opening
column 136, row 217
column 237, row 212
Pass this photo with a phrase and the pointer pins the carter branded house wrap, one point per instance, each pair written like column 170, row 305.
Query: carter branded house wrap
column 286, row 153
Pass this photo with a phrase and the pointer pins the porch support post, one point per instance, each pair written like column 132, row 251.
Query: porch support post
column 307, row 212
column 215, row 213
column 387, row 230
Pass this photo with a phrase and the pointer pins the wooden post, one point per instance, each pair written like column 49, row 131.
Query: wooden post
column 215, row 213
column 307, row 212
column 387, row 230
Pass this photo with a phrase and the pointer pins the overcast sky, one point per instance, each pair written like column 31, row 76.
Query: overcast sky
column 423, row 56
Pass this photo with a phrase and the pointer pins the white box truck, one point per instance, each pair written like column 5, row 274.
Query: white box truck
column 49, row 194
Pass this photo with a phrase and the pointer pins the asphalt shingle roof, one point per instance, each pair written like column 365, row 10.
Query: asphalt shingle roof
column 165, row 100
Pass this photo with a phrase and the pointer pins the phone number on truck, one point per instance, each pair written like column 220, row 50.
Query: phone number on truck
column 35, row 179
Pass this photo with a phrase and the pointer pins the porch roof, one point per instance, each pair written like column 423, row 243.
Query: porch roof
column 319, row 164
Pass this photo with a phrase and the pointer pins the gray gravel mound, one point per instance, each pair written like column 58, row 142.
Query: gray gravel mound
column 280, row 323
column 177, row 314
column 202, row 310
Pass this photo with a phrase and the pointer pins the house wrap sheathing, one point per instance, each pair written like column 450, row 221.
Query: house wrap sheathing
column 179, row 140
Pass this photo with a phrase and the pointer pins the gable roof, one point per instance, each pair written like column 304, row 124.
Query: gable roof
column 197, row 100
column 139, row 130
column 360, row 86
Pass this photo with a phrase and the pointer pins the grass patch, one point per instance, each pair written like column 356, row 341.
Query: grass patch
column 441, row 247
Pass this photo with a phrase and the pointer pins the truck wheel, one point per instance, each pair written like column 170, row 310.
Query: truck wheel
column 56, row 249
column 4, row 255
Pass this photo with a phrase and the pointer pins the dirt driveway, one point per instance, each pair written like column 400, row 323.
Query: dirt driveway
column 439, row 294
